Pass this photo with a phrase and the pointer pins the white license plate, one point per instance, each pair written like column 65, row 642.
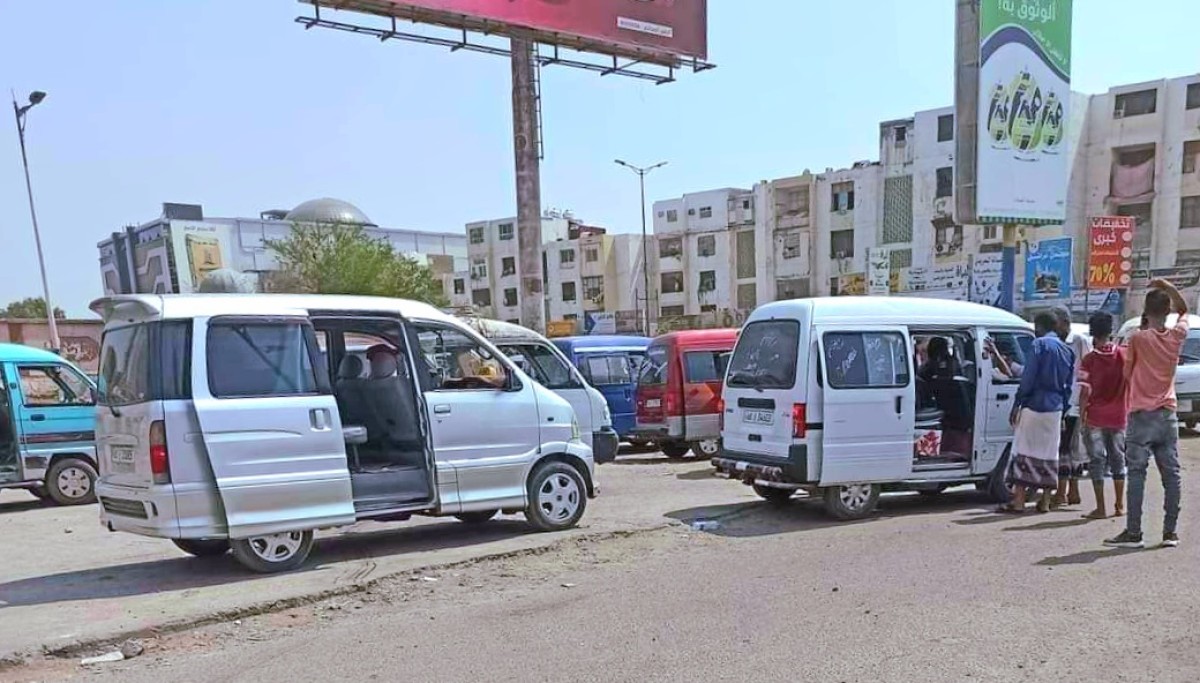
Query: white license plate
column 121, row 458
column 758, row 417
column 653, row 402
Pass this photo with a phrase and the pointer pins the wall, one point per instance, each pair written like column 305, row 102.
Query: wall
column 80, row 339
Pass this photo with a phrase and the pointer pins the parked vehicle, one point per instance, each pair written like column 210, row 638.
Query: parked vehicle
column 222, row 428
column 679, row 390
column 544, row 362
column 611, row 364
column 47, row 426
column 826, row 396
column 1187, row 375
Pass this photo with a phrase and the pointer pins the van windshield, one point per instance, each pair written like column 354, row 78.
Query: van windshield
column 765, row 355
column 654, row 368
column 145, row 362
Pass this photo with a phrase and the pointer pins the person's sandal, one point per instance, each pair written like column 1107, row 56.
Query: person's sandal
column 1096, row 514
column 1010, row 510
column 1044, row 506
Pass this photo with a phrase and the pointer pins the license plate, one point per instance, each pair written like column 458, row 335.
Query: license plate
column 121, row 458
column 758, row 417
column 653, row 402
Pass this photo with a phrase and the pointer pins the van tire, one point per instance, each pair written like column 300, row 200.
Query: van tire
column 250, row 552
column 557, row 497
column 853, row 501
column 675, row 451
column 774, row 496
column 215, row 547
column 71, row 481
column 476, row 517
column 706, row 448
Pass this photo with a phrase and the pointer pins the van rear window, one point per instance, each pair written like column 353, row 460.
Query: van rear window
column 654, row 369
column 146, row 362
column 765, row 355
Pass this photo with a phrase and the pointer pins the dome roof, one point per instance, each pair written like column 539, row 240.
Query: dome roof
column 328, row 210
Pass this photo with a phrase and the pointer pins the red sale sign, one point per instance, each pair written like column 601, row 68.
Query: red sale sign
column 1110, row 264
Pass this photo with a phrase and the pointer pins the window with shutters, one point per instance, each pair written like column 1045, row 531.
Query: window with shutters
column 897, row 209
column 1135, row 103
column 706, row 245
column 746, row 258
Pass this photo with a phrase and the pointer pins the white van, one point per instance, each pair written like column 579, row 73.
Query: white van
column 830, row 396
column 544, row 362
column 243, row 422
column 1187, row 375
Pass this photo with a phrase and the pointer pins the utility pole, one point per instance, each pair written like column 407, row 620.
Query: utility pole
column 641, row 174
column 35, row 98
column 529, row 192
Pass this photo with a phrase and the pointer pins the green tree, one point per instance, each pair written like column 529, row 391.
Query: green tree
column 33, row 308
column 341, row 259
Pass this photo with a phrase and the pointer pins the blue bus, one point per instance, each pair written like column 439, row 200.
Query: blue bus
column 611, row 364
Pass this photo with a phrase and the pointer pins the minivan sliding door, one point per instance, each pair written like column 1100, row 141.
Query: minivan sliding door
column 869, row 404
column 270, row 424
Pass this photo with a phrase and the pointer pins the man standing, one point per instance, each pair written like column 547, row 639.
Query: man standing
column 1153, row 430
column 1037, row 415
column 1104, row 411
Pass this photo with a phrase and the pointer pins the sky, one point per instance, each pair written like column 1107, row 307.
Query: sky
column 230, row 104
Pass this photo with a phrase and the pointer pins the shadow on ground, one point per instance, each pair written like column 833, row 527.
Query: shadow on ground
column 185, row 572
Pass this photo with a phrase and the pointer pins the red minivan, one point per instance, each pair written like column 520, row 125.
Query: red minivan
column 679, row 391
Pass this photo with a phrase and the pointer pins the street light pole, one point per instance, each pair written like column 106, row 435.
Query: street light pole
column 35, row 98
column 641, row 173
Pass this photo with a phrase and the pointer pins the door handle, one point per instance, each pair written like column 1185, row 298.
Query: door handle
column 442, row 409
column 319, row 417
column 1002, row 397
column 37, row 417
column 899, row 404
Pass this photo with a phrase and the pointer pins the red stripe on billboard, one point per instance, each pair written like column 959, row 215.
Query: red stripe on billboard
column 677, row 27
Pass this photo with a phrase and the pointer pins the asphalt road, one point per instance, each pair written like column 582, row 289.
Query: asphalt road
column 927, row 590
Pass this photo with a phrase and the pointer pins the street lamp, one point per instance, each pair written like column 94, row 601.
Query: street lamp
column 641, row 173
column 35, row 98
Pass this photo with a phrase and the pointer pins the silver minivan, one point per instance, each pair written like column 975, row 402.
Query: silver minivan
column 246, row 422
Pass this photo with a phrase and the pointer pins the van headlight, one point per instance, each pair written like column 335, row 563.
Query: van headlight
column 575, row 436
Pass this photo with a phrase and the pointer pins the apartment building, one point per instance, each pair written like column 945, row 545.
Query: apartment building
column 585, row 271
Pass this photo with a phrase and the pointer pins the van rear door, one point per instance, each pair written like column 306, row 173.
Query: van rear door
column 270, row 424
column 760, row 389
column 869, row 404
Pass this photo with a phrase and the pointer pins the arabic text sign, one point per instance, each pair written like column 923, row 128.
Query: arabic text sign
column 985, row 278
column 879, row 264
column 1109, row 261
column 1048, row 269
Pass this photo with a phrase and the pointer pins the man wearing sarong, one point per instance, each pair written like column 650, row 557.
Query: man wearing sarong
column 1043, row 397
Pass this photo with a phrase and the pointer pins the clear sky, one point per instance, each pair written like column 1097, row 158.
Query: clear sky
column 229, row 104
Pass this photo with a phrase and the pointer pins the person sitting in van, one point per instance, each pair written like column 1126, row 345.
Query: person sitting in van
column 383, row 360
column 941, row 364
column 1004, row 361
column 1103, row 410
column 1042, row 398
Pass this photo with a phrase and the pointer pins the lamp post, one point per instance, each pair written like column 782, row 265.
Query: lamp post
column 35, row 98
column 641, row 173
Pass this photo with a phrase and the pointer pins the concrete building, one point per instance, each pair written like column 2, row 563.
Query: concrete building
column 585, row 270
column 177, row 251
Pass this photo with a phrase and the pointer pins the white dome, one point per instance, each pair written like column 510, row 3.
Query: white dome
column 327, row 210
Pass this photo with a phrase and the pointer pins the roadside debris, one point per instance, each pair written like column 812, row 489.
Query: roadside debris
column 114, row 656
column 706, row 525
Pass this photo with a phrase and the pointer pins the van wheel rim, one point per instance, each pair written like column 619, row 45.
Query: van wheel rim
column 277, row 547
column 73, row 482
column 855, row 497
column 558, row 497
column 709, row 446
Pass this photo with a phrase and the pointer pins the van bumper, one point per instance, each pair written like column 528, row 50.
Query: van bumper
column 605, row 443
column 669, row 430
column 144, row 511
column 751, row 467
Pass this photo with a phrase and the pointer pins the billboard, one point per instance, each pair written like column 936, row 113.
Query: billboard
column 1110, row 252
column 1024, row 92
column 1048, row 269
column 670, row 28
column 201, row 249
column 879, row 265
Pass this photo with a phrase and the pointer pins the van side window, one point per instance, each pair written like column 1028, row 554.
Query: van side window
column 544, row 365
column 1014, row 347
column 605, row 370
column 861, row 360
column 704, row 366
column 254, row 359
column 456, row 362
column 50, row 385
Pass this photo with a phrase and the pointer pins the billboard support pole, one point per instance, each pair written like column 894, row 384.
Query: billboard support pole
column 1008, row 269
column 528, row 174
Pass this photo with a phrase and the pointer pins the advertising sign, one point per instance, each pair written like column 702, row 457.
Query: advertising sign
column 1048, row 269
column 600, row 323
column 1110, row 257
column 1024, row 94
column 673, row 27
column 198, row 249
column 879, row 270
column 985, row 279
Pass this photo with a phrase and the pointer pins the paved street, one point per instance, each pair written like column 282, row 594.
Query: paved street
column 938, row 590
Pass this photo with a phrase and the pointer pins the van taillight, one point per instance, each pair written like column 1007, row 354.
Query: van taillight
column 721, row 414
column 799, row 420
column 160, row 459
column 670, row 402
